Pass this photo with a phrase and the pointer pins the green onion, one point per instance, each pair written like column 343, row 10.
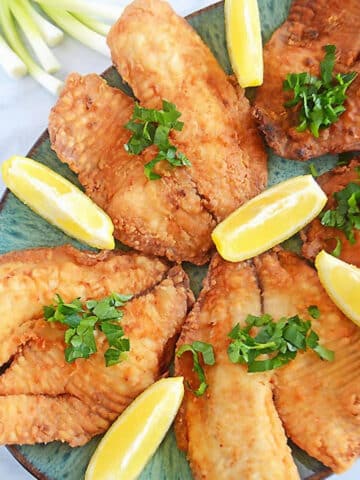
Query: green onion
column 99, row 27
column 48, row 81
column 10, row 62
column 75, row 28
column 33, row 35
column 51, row 34
column 97, row 9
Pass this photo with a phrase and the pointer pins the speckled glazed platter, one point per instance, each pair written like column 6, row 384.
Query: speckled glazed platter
column 21, row 228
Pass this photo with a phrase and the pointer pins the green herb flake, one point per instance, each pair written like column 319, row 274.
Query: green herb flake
column 281, row 340
column 208, row 356
column 83, row 320
column 346, row 215
column 337, row 250
column 313, row 170
column 321, row 100
column 314, row 311
column 153, row 127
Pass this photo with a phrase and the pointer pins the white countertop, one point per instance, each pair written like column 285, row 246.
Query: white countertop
column 24, row 109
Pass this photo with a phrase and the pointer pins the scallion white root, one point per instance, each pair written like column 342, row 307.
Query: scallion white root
column 99, row 27
column 34, row 37
column 94, row 9
column 10, row 62
column 51, row 34
column 7, row 22
column 76, row 29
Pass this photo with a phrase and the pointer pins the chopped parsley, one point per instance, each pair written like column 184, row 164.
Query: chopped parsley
column 208, row 356
column 82, row 320
column 338, row 247
column 152, row 127
column 313, row 170
column 282, row 340
column 346, row 215
column 322, row 99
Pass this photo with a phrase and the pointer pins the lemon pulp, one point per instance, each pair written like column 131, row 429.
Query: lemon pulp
column 269, row 218
column 342, row 283
column 133, row 438
column 58, row 201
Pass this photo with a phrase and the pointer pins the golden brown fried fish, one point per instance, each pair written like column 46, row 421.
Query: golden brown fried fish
column 233, row 431
column 43, row 398
column 165, row 217
column 297, row 46
column 317, row 237
column 318, row 401
column 161, row 57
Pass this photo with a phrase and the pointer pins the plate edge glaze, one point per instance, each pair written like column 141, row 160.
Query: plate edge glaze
column 19, row 457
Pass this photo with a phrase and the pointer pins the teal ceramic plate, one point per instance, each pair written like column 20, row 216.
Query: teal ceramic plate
column 21, row 228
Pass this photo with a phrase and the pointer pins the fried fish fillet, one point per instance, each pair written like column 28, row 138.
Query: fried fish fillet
column 161, row 57
column 43, row 398
column 233, row 431
column 166, row 217
column 318, row 401
column 297, row 46
column 317, row 237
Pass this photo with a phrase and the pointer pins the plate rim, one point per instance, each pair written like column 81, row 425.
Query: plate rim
column 13, row 449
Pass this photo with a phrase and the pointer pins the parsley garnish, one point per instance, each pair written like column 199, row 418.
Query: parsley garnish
column 152, row 127
column 207, row 352
column 82, row 321
column 337, row 250
column 314, row 311
column 313, row 170
column 321, row 99
column 346, row 216
column 283, row 339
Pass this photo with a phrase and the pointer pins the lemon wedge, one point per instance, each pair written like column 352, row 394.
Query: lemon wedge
column 58, row 201
column 243, row 35
column 136, row 434
column 268, row 219
column 341, row 282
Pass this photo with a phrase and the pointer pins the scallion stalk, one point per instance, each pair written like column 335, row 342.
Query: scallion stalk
column 51, row 34
column 10, row 62
column 76, row 29
column 50, row 82
column 32, row 33
column 99, row 27
column 95, row 9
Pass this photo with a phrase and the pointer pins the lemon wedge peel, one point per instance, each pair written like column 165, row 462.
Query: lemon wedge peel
column 136, row 434
column 243, row 35
column 269, row 218
column 341, row 281
column 58, row 201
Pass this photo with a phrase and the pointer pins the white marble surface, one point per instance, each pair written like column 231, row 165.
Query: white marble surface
column 24, row 109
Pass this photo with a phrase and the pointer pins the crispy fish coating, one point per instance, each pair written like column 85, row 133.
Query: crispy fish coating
column 161, row 57
column 318, row 401
column 43, row 398
column 233, row 431
column 317, row 237
column 297, row 46
column 166, row 217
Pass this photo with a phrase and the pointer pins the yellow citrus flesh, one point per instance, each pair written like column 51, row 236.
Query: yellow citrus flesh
column 342, row 283
column 243, row 35
column 268, row 219
column 136, row 434
column 58, row 201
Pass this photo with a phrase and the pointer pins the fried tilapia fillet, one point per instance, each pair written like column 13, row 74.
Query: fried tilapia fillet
column 166, row 217
column 317, row 401
column 43, row 398
column 233, row 431
column 297, row 46
column 317, row 237
column 162, row 57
